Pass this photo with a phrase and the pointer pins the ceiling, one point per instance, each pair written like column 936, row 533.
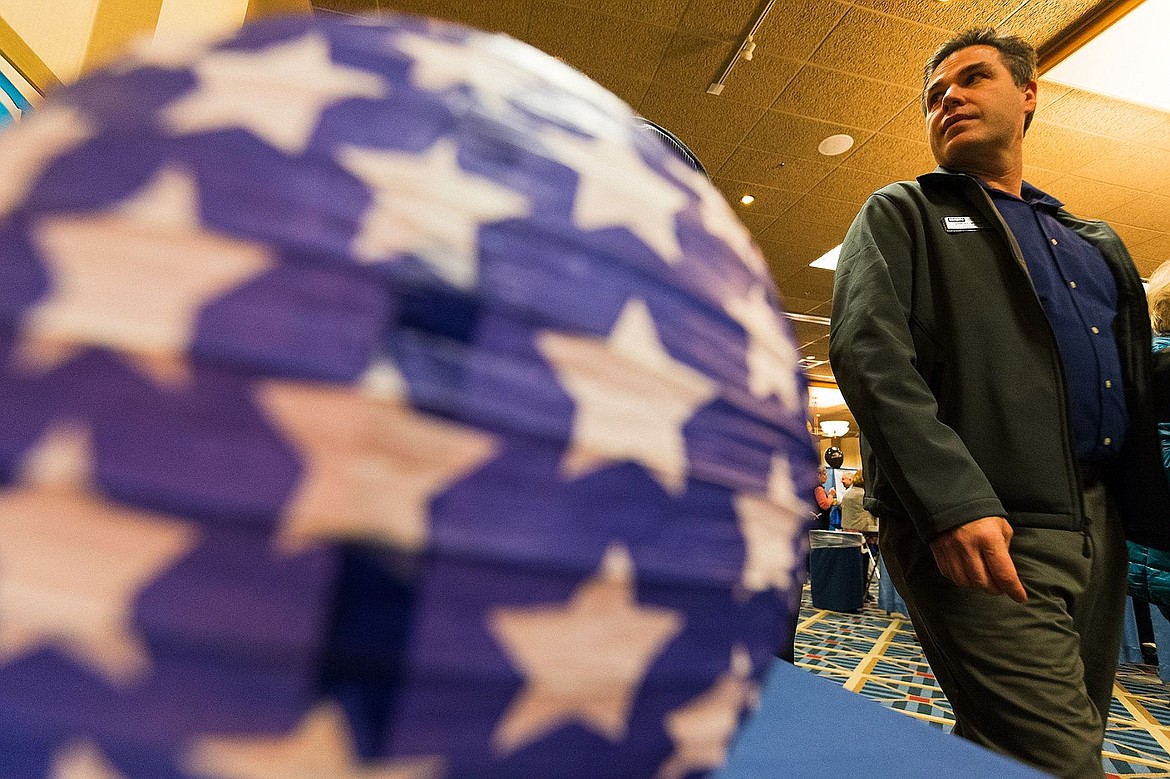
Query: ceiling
column 823, row 67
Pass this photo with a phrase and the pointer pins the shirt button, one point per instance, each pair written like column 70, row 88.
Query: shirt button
column 1107, row 441
column 1054, row 242
column 1072, row 284
column 1108, row 384
column 1095, row 329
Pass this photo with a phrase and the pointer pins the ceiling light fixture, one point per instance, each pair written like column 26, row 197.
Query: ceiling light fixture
column 835, row 144
column 834, row 428
column 1119, row 55
column 828, row 260
column 747, row 200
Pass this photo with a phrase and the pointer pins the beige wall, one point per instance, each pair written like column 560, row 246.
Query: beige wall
column 58, row 40
column 850, row 447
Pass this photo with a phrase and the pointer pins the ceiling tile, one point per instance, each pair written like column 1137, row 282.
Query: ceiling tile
column 908, row 123
column 1048, row 92
column 723, row 19
column 836, row 214
column 755, row 222
column 1146, row 266
column 1040, row 21
column 1063, row 149
column 799, row 136
column 1088, row 198
column 896, row 158
column 768, row 200
column 1130, row 165
column 1102, row 115
column 688, row 113
column 630, row 90
column 662, row 12
column 807, row 332
column 1151, row 212
column 842, row 97
column 786, row 258
column 1133, row 237
column 596, row 42
column 1040, row 177
column 795, row 28
column 850, row 184
column 509, row 16
column 946, row 16
column 1157, row 248
column 773, row 170
column 798, row 231
column 904, row 47
column 694, row 62
column 808, row 284
column 1159, row 136
column 761, row 80
column 711, row 153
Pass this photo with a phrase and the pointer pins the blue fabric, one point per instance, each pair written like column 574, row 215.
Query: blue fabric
column 1078, row 293
column 812, row 728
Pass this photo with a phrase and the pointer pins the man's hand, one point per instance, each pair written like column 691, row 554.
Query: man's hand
column 975, row 555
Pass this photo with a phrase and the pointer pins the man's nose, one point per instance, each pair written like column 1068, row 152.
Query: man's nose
column 952, row 97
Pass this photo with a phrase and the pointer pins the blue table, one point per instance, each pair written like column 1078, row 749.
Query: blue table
column 812, row 728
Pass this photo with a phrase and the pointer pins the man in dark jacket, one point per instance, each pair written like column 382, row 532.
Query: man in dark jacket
column 995, row 351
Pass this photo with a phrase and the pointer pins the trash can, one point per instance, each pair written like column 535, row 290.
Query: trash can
column 836, row 569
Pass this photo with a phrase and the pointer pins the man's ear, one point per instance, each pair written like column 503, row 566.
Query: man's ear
column 1030, row 90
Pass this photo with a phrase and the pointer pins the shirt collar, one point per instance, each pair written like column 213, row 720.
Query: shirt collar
column 1029, row 194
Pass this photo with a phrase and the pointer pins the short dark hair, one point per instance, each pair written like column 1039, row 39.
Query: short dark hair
column 1017, row 54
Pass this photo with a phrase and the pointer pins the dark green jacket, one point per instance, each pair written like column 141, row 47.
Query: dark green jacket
column 947, row 360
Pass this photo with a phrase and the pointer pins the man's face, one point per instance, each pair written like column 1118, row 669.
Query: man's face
column 974, row 111
column 846, row 480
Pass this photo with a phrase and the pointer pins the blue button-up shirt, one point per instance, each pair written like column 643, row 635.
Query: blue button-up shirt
column 1079, row 296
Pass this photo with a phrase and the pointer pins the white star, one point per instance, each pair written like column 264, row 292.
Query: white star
column 771, row 358
column 428, row 206
column 372, row 465
column 632, row 397
column 618, row 189
column 320, row 748
column 32, row 145
column 702, row 729
column 82, row 760
column 72, row 563
column 770, row 527
column 719, row 219
column 135, row 278
column 439, row 65
column 278, row 94
column 583, row 661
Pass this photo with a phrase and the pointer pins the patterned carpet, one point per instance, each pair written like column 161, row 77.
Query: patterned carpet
column 877, row 655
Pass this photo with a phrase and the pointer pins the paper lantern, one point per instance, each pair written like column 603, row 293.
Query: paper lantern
column 375, row 397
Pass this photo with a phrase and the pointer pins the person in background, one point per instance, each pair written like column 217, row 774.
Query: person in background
column 995, row 351
column 824, row 500
column 853, row 514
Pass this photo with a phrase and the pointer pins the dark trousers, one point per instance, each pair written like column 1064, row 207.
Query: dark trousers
column 1031, row 680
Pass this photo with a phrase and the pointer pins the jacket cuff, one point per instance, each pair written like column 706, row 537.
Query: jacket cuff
column 932, row 527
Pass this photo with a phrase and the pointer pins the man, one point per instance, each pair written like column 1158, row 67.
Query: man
column 995, row 351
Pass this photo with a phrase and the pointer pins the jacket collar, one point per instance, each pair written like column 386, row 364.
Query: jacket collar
column 1030, row 194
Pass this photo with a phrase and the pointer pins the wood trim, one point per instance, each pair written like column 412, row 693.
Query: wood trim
column 115, row 24
column 26, row 62
column 258, row 9
column 1086, row 29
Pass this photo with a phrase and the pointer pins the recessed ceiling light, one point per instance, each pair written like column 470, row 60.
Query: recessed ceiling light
column 747, row 200
column 836, row 144
column 828, row 260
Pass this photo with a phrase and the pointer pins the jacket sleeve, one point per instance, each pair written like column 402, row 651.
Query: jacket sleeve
column 880, row 373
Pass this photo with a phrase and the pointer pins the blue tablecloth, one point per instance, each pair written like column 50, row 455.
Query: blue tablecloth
column 812, row 728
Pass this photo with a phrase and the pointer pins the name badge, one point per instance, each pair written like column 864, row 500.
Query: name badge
column 961, row 224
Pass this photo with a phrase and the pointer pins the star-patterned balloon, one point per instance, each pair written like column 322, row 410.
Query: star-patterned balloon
column 377, row 401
